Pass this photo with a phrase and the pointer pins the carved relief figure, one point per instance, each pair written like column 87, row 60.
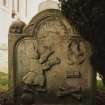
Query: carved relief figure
column 46, row 53
column 40, row 63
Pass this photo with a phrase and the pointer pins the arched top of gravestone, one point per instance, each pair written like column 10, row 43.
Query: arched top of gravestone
column 52, row 59
column 50, row 15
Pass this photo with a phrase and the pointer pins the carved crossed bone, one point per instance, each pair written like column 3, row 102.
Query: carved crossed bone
column 73, row 92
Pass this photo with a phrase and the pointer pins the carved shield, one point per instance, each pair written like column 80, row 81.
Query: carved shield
column 53, row 61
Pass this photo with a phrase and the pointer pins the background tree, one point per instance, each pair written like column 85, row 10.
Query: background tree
column 89, row 17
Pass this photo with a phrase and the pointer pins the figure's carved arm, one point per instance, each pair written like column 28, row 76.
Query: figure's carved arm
column 45, row 56
column 50, row 63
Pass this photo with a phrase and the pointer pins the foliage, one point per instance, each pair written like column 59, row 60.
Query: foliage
column 89, row 17
column 100, row 84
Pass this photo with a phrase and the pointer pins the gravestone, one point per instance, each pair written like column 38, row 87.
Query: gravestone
column 49, row 62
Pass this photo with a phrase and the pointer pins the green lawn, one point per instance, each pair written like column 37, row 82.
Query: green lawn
column 3, row 81
column 100, row 84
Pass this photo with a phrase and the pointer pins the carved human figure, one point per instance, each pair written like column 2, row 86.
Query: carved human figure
column 40, row 63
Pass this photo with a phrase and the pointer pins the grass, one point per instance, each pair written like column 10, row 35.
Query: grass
column 3, row 81
column 100, row 84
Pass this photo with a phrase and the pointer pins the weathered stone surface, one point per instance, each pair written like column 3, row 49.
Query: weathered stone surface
column 52, row 61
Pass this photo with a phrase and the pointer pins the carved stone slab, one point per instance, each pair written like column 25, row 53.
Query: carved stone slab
column 51, row 62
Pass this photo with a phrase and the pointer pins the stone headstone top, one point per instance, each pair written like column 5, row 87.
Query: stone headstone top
column 50, row 62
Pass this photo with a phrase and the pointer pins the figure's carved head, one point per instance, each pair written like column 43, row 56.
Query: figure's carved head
column 17, row 27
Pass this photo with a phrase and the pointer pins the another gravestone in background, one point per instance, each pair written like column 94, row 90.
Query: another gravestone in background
column 49, row 63
column 48, row 4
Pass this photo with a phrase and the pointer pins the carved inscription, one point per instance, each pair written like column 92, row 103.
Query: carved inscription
column 73, row 74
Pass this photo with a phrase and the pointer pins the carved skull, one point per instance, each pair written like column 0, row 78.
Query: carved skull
column 17, row 27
